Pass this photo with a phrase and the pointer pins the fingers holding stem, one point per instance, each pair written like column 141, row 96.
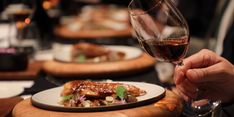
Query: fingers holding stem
column 187, row 90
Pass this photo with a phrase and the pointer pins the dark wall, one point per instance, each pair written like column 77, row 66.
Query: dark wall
column 228, row 45
column 199, row 14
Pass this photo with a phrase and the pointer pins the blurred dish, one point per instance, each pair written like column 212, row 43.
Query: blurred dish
column 49, row 99
column 87, row 93
column 134, row 61
column 92, row 53
column 88, row 34
column 96, row 22
column 10, row 90
column 99, row 70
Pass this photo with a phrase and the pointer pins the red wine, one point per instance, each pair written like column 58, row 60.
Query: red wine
column 171, row 50
column 20, row 16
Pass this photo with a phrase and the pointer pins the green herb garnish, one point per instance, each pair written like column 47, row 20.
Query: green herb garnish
column 120, row 92
column 67, row 97
column 81, row 58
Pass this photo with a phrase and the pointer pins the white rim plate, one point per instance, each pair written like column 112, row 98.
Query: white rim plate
column 49, row 99
column 10, row 90
column 62, row 52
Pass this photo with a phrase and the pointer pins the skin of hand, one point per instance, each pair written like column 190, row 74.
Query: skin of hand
column 208, row 72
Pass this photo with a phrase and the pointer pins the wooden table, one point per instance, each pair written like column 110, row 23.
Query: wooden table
column 30, row 73
column 107, row 69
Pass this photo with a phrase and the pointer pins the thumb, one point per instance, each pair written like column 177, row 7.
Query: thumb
column 198, row 75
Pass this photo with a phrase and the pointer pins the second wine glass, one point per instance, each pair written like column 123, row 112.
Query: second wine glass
column 19, row 12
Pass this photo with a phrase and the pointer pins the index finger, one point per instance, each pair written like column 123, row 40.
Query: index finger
column 203, row 58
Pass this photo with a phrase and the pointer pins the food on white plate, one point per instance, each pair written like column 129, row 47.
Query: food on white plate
column 80, row 93
column 93, row 53
column 100, row 17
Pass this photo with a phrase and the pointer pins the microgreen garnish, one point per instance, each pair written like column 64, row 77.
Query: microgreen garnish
column 81, row 58
column 67, row 97
column 120, row 92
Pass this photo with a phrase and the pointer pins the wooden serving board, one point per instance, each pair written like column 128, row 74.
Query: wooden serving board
column 90, row 34
column 130, row 66
column 169, row 106
column 30, row 73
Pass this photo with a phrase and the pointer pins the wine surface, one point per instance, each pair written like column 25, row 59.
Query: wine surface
column 171, row 50
column 21, row 15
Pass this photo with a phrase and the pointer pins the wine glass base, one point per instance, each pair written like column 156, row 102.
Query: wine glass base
column 200, row 111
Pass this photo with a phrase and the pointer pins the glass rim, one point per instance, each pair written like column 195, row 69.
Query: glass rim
column 144, row 11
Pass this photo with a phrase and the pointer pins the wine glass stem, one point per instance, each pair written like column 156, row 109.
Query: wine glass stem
column 20, row 34
column 179, row 63
column 9, row 33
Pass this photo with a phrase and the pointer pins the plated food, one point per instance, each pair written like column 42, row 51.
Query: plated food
column 66, row 65
column 91, row 94
column 96, row 21
column 168, row 106
column 50, row 99
column 100, row 17
column 93, row 53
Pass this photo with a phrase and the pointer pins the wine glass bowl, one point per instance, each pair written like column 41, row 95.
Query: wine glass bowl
column 20, row 12
column 160, row 29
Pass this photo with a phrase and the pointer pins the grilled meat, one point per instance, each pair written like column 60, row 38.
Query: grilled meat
column 98, row 89
column 90, row 50
column 93, row 53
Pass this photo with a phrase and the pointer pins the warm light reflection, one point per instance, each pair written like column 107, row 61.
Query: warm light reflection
column 46, row 5
column 27, row 21
column 20, row 25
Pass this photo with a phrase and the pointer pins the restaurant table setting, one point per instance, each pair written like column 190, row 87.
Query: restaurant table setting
column 168, row 105
column 42, row 83
column 115, row 60
column 43, row 80
column 98, row 23
column 113, row 67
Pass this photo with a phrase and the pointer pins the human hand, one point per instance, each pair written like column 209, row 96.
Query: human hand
column 207, row 71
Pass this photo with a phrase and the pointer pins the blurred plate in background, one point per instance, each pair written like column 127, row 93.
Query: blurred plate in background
column 10, row 90
column 96, row 21
column 63, row 52
column 99, row 70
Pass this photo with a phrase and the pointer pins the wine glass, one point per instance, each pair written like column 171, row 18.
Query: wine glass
column 19, row 12
column 164, row 34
